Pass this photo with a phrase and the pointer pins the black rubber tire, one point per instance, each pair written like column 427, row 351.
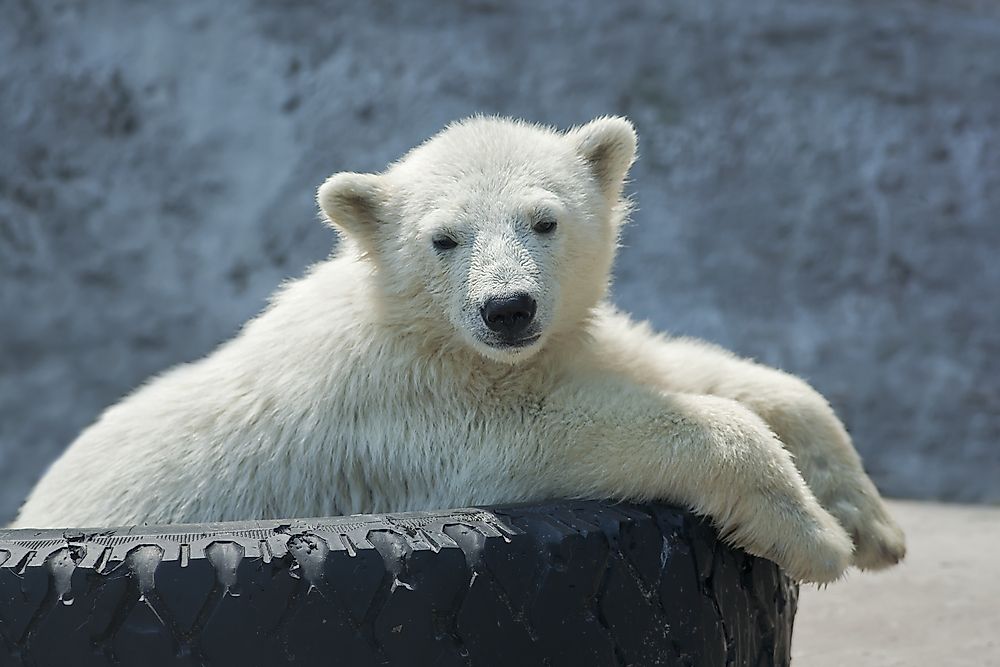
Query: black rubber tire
column 573, row 583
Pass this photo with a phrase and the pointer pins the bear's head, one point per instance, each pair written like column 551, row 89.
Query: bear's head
column 496, row 230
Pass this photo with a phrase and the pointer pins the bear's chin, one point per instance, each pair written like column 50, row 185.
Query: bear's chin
column 509, row 353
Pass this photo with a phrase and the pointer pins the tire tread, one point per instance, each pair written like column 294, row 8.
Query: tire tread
column 564, row 583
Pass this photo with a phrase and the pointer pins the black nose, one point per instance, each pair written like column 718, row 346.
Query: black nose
column 510, row 315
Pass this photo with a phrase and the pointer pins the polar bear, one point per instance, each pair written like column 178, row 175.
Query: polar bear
column 458, row 349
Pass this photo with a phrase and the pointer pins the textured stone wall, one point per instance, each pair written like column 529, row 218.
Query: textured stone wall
column 819, row 187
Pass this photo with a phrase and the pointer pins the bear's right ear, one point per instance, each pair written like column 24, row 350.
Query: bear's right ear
column 353, row 202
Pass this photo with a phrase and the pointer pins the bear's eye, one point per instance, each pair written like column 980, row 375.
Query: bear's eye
column 545, row 225
column 444, row 242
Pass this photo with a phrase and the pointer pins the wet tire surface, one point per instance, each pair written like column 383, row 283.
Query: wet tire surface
column 569, row 583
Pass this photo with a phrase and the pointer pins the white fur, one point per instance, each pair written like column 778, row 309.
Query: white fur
column 372, row 384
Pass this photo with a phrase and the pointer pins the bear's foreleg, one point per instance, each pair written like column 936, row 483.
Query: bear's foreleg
column 808, row 427
column 612, row 437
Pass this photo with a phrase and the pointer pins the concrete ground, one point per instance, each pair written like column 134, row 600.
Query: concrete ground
column 940, row 607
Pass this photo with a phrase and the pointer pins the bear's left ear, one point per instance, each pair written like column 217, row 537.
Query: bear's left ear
column 608, row 146
column 354, row 203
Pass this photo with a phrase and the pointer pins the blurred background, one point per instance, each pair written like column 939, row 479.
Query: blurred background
column 818, row 188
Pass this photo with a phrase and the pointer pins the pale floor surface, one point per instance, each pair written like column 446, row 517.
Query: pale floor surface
column 940, row 607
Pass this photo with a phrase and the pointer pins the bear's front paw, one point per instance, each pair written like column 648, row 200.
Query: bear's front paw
column 819, row 553
column 878, row 540
column 801, row 537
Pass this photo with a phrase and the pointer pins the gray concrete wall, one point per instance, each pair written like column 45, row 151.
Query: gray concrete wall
column 819, row 187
